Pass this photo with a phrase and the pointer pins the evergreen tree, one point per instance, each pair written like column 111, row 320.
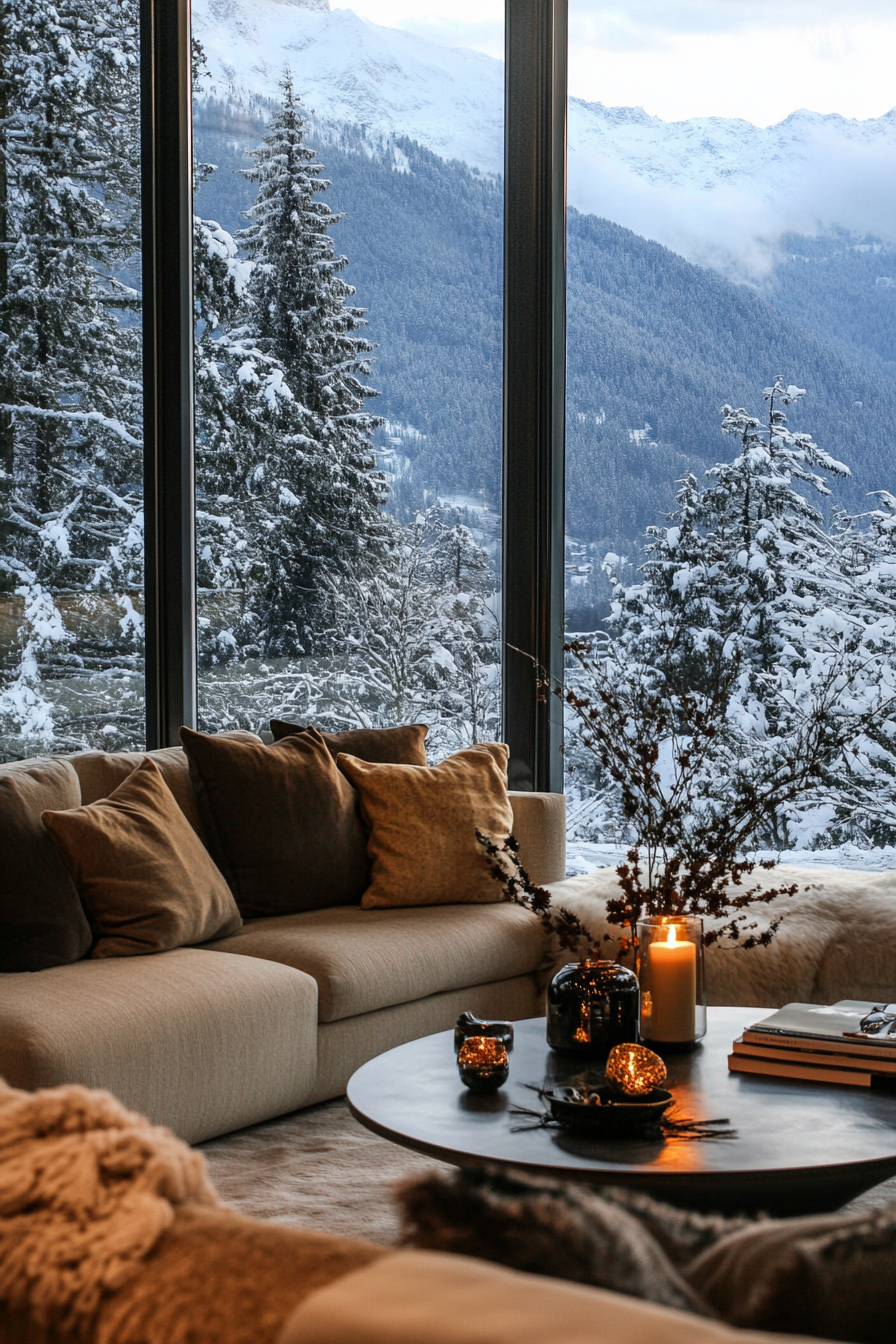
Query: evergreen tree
column 747, row 587
column 70, row 389
column 328, row 522
column 286, row 444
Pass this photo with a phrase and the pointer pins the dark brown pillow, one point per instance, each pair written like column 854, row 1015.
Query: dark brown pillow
column 423, row 822
column 42, row 921
column 145, row 878
column 383, row 746
column 281, row 821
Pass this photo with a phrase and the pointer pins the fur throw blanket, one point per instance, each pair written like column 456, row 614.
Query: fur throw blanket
column 86, row 1190
column 837, row 939
column 828, row 1276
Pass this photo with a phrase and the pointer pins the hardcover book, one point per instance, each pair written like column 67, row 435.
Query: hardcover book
column 838, row 1023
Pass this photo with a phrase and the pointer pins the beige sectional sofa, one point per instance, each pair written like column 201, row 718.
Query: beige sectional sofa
column 209, row 1039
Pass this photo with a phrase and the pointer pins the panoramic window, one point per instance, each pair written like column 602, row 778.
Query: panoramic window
column 348, row 297
column 71, row 461
column 731, row 538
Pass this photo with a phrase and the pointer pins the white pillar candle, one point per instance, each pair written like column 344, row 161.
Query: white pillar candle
column 673, row 989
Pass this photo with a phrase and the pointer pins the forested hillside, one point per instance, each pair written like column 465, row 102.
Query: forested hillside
column 655, row 341
column 656, row 344
column 842, row 289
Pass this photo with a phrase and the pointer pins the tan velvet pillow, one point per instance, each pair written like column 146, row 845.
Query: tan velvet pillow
column 282, row 823
column 385, row 746
column 423, row 822
column 144, row 877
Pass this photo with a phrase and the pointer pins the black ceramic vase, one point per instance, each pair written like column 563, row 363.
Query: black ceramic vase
column 592, row 1006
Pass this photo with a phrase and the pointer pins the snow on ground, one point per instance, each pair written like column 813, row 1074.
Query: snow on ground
column 584, row 857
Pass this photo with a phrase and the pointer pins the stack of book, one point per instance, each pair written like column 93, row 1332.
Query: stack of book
column 819, row 1044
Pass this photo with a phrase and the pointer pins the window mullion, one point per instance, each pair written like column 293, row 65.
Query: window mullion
column 534, row 385
column 170, row 589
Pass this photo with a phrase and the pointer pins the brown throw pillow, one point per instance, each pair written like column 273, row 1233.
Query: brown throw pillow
column 146, row 880
column 385, row 746
column 42, row 921
column 423, row 822
column 281, row 821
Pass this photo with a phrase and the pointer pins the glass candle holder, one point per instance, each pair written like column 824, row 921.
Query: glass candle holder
column 670, row 973
column 592, row 1006
column 634, row 1070
column 483, row 1064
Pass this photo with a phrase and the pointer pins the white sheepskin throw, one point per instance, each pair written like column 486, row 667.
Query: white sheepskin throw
column 86, row 1191
column 837, row 939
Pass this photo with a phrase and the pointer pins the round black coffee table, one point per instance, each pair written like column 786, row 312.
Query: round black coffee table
column 798, row 1148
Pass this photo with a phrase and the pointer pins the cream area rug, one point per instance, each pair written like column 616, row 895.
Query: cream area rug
column 317, row 1168
column 320, row 1169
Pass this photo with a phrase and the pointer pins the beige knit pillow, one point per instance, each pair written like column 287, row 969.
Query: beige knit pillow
column 423, row 820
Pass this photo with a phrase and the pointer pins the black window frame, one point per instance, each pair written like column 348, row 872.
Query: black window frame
column 533, row 379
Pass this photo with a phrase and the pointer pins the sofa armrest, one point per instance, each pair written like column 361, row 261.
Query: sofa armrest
column 539, row 824
column 428, row 1297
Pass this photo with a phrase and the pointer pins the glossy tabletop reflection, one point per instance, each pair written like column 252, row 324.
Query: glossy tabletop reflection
column 798, row 1147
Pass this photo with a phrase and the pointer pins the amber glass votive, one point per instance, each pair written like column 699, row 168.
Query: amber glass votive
column 634, row 1070
column 483, row 1064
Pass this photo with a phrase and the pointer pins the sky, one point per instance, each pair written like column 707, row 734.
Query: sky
column 756, row 59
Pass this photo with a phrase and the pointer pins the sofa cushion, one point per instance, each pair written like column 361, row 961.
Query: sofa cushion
column 42, row 921
column 101, row 772
column 368, row 959
column 425, row 1297
column 202, row 1044
column 387, row 746
column 144, row 876
column 342, row 1047
column 423, row 822
column 281, row 822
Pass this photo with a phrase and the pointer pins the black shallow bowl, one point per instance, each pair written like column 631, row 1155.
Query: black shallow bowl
column 615, row 1115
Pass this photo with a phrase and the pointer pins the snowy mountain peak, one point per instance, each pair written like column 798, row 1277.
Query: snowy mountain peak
column 697, row 184
column 348, row 70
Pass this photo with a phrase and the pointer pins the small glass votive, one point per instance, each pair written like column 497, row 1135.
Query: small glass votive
column 483, row 1064
column 670, row 973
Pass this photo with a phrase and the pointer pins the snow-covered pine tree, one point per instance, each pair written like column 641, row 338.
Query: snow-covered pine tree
column 747, row 584
column 319, row 492
column 743, row 557
column 70, row 445
column 232, row 425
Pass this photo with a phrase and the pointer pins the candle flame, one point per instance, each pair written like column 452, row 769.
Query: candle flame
column 671, row 937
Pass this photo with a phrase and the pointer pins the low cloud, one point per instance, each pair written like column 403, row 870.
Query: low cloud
column 737, row 228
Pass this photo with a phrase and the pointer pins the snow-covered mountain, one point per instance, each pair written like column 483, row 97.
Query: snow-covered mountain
column 450, row 100
column 708, row 187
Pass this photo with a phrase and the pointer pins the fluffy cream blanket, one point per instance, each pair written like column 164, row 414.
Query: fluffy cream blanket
column 86, row 1190
column 837, row 940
